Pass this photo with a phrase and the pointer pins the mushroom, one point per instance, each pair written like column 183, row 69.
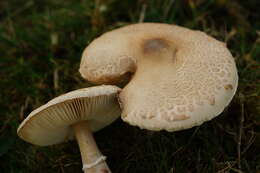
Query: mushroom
column 77, row 113
column 180, row 77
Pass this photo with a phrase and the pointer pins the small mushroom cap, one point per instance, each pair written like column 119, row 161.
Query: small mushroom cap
column 51, row 123
column 181, row 77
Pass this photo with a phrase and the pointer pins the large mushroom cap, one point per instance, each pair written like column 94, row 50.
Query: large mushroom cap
column 181, row 78
column 51, row 123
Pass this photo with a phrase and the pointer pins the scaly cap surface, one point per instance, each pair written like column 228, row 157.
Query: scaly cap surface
column 181, row 78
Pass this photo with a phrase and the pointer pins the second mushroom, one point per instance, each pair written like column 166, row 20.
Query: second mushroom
column 74, row 114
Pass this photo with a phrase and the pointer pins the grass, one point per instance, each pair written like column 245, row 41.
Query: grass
column 41, row 44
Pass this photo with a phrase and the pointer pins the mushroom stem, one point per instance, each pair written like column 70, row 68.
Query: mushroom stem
column 92, row 159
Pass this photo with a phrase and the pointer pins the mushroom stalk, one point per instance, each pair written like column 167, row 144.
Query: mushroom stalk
column 92, row 159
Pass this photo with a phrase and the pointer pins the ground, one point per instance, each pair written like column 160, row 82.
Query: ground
column 41, row 44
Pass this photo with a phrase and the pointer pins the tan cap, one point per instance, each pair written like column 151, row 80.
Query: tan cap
column 51, row 123
column 181, row 79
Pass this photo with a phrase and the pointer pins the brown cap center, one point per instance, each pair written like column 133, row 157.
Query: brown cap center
column 154, row 45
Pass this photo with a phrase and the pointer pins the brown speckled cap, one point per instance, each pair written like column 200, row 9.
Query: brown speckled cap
column 51, row 123
column 181, row 78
